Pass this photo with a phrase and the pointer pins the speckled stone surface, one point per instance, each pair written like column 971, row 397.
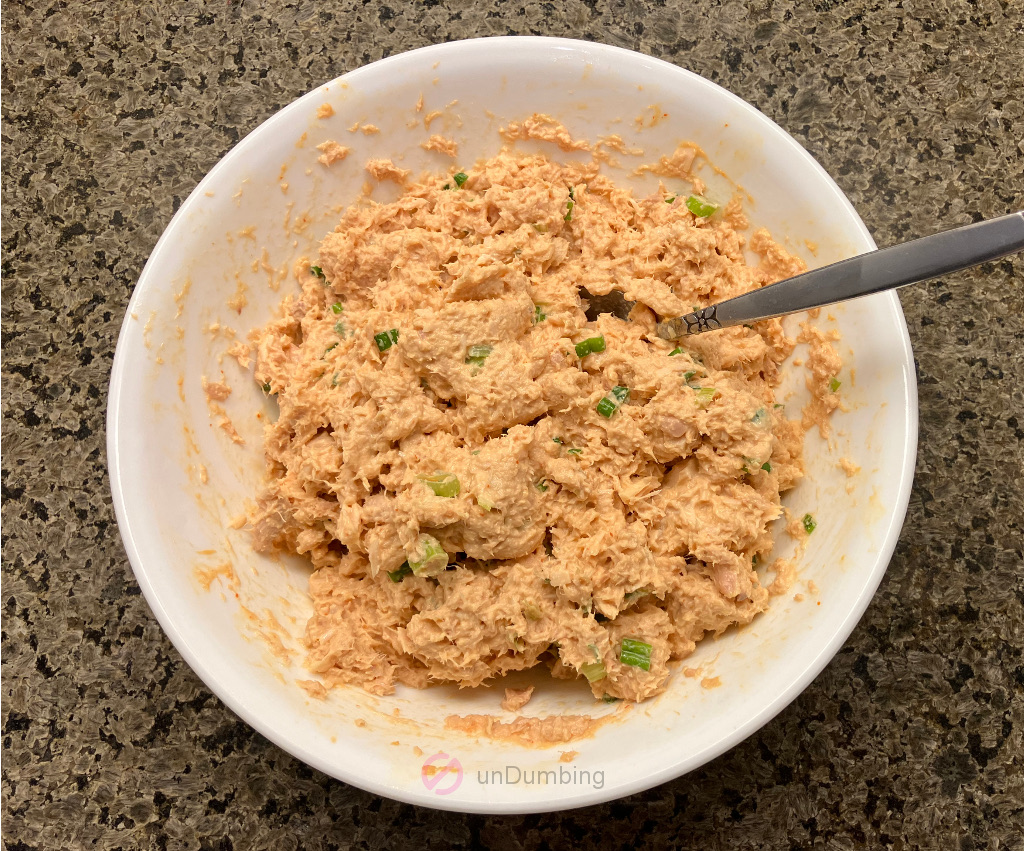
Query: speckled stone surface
column 911, row 738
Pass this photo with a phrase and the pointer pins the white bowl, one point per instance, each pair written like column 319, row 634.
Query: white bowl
column 160, row 429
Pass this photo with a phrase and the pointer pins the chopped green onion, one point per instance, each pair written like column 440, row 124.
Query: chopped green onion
column 266, row 387
column 700, row 207
column 766, row 467
column 316, row 270
column 447, row 186
column 754, row 560
column 675, row 351
column 760, row 417
column 485, row 503
column 401, row 573
column 635, row 653
column 442, row 484
column 478, row 354
column 595, row 670
column 386, row 339
column 339, row 328
column 541, row 228
column 337, row 307
column 538, row 313
column 633, row 596
column 609, row 699
column 532, row 612
column 777, row 406
column 569, row 205
column 705, row 395
column 460, row 179
column 572, row 193
column 590, row 346
column 810, row 524
column 334, row 380
column 610, row 404
column 689, row 374
column 542, row 485
column 332, row 346
column 575, row 451
column 430, row 559
column 670, row 199
column 834, row 384
column 557, row 440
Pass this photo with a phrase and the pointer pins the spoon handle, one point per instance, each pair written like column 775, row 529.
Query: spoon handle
column 866, row 274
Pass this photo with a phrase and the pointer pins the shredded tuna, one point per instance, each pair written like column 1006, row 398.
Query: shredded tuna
column 331, row 152
column 516, row 698
column 215, row 391
column 383, row 169
column 554, row 729
column 849, row 467
column 441, row 145
column 544, row 128
column 597, row 513
column 241, row 352
column 823, row 363
column 312, row 688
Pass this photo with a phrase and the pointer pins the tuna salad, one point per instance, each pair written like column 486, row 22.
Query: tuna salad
column 485, row 480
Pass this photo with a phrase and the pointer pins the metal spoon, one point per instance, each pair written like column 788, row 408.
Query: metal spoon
column 866, row 274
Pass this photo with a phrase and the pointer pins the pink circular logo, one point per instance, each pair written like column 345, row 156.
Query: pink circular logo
column 441, row 774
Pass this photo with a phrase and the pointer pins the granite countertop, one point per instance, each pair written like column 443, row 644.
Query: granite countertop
column 112, row 112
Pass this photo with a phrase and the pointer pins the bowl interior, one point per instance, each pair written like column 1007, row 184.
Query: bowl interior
column 238, row 618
